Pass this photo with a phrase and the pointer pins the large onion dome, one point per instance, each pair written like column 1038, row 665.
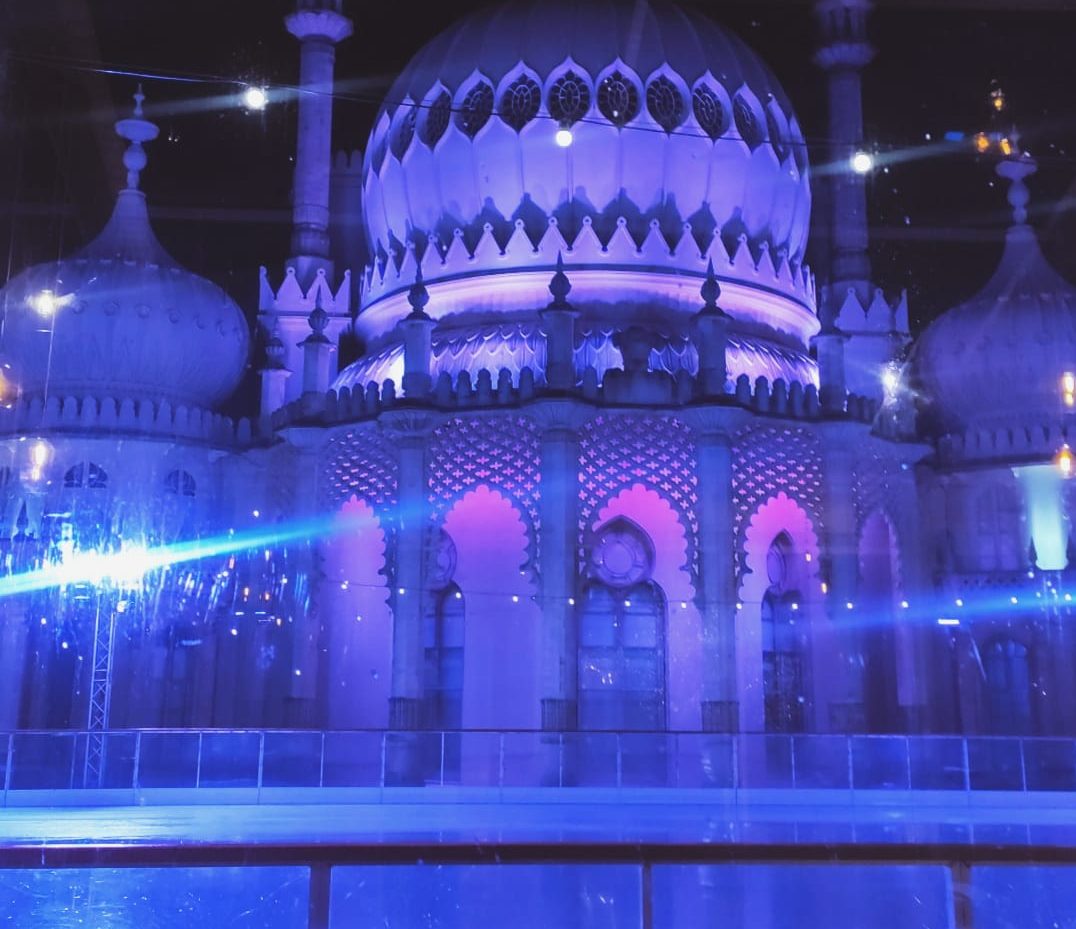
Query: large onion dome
column 997, row 361
column 121, row 318
column 641, row 140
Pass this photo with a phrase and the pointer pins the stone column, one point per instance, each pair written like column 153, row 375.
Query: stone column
column 714, row 427
column 316, row 349
column 829, row 345
column 318, row 25
column 274, row 376
column 710, row 332
column 417, row 330
column 842, row 558
column 560, row 421
column 410, row 431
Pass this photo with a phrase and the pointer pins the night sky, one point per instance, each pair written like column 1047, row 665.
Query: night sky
column 219, row 178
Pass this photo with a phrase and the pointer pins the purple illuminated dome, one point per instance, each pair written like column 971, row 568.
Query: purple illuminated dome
column 997, row 360
column 121, row 318
column 683, row 149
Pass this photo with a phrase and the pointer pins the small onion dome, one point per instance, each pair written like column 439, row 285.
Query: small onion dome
column 998, row 360
column 121, row 318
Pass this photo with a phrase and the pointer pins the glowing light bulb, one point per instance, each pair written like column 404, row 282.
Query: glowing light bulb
column 1006, row 147
column 571, row 601
column 45, row 302
column 459, row 596
column 849, row 605
column 890, row 379
column 959, row 602
column 255, row 98
column 862, row 162
column 904, row 604
column 515, row 598
column 39, row 454
column 982, row 143
column 1064, row 461
column 564, row 137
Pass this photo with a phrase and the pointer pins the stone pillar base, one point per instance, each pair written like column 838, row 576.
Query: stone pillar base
column 405, row 713
column 847, row 718
column 559, row 715
column 721, row 716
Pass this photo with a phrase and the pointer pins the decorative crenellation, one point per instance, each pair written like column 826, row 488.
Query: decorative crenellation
column 879, row 316
column 781, row 400
column 1041, row 441
column 291, row 298
column 521, row 253
column 108, row 415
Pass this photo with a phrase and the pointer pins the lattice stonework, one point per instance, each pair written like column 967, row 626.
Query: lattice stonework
column 360, row 463
column 768, row 460
column 875, row 485
column 658, row 452
column 501, row 452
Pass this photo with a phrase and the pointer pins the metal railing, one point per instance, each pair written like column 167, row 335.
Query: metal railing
column 263, row 760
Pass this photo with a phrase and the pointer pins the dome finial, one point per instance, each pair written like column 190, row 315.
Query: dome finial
column 136, row 130
column 1015, row 168
column 418, row 296
column 710, row 291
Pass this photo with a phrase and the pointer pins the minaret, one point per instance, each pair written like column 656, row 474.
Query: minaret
column 843, row 54
column 310, row 273
column 862, row 333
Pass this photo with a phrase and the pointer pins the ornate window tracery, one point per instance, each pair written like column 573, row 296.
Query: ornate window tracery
column 520, row 102
column 665, row 103
column 436, row 120
column 405, row 131
column 569, row 98
column 709, row 111
column 476, row 109
column 618, row 99
column 86, row 474
column 748, row 124
column 181, row 483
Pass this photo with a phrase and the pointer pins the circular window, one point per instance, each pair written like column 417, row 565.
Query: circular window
column 405, row 132
column 747, row 124
column 436, row 121
column 520, row 102
column 618, row 99
column 709, row 111
column 665, row 104
column 621, row 557
column 569, row 98
column 476, row 109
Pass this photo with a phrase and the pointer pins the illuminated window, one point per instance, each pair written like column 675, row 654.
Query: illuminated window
column 665, row 103
column 618, row 99
column 520, row 102
column 476, row 109
column 435, row 122
column 569, row 98
column 782, row 644
column 709, row 111
column 86, row 474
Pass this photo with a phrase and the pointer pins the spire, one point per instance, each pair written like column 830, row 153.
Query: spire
column 1015, row 169
column 710, row 292
column 560, row 286
column 418, row 297
column 136, row 130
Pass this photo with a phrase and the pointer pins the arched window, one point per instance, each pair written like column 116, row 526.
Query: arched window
column 443, row 675
column 709, row 111
column 665, row 103
column 180, row 483
column 618, row 99
column 1007, row 673
column 435, row 122
column 476, row 109
column 569, row 98
column 622, row 636
column 86, row 474
column 520, row 102
column 782, row 644
column 6, row 476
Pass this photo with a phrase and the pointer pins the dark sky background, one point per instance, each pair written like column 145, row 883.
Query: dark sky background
column 219, row 178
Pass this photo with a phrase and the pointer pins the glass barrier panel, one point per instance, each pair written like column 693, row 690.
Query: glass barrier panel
column 704, row 760
column 43, row 761
column 937, row 763
column 880, row 763
column 230, row 759
column 646, row 759
column 292, row 759
column 353, row 759
column 1033, row 896
column 168, row 759
column 1050, row 764
column 533, row 759
column 820, row 761
column 118, row 760
column 765, row 761
column 995, row 764
column 592, row 758
column 539, row 896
